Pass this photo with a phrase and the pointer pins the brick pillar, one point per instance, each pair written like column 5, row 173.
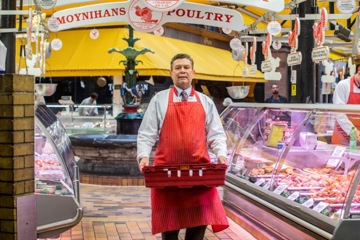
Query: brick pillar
column 17, row 199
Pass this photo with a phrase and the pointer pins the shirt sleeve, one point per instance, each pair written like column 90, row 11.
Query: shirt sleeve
column 151, row 124
column 341, row 96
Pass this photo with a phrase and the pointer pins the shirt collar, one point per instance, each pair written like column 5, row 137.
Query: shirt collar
column 179, row 90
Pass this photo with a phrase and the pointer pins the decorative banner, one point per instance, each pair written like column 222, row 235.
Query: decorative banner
column 328, row 67
column 53, row 24
column 226, row 31
column 161, row 5
column 319, row 28
column 235, row 43
column 271, row 5
column 245, row 70
column 293, row 77
column 269, row 71
column 144, row 19
column 276, row 45
column 237, row 54
column 56, row 44
column 47, row 4
column 160, row 31
column 320, row 53
column 346, row 6
column 294, row 58
column 351, row 67
column 94, row 34
column 274, row 28
column 253, row 67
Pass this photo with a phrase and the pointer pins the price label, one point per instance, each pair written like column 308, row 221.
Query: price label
column 333, row 162
column 309, row 203
column 267, row 185
column 338, row 152
column 337, row 215
column 294, row 196
column 320, row 206
column 260, row 181
column 280, row 189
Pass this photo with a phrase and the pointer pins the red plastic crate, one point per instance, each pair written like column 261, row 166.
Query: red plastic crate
column 185, row 175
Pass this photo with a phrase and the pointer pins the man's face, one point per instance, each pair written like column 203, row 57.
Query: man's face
column 182, row 73
column 275, row 89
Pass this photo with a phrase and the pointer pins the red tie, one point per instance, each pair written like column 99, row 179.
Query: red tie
column 184, row 96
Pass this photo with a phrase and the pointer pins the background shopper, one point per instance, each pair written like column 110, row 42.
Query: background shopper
column 276, row 97
column 185, row 127
column 89, row 111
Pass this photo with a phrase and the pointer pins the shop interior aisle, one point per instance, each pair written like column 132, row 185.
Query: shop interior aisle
column 123, row 213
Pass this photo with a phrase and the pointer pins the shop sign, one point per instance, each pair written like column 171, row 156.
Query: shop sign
column 47, row 4
column 68, row 2
column 161, row 5
column 294, row 58
column 293, row 90
column 346, row 6
column 266, row 66
column 144, row 19
column 319, row 54
column 237, row 54
column 271, row 5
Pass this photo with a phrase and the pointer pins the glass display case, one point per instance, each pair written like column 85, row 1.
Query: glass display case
column 56, row 176
column 286, row 167
column 68, row 115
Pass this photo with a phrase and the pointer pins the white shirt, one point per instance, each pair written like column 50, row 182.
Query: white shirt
column 86, row 111
column 341, row 96
column 154, row 118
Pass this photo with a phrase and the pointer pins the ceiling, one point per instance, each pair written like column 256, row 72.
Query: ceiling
column 256, row 20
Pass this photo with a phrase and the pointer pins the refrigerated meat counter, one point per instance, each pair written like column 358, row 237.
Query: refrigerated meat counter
column 287, row 177
column 56, row 176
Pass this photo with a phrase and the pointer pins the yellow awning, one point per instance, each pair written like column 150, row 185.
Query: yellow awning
column 82, row 56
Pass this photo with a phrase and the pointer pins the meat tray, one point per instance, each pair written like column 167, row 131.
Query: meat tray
column 185, row 175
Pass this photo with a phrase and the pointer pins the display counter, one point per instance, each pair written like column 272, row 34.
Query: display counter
column 69, row 116
column 286, row 179
column 56, row 176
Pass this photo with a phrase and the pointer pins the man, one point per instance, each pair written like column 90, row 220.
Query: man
column 89, row 111
column 185, row 126
column 347, row 91
column 276, row 97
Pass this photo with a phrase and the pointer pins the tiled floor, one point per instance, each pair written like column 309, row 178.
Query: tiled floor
column 123, row 212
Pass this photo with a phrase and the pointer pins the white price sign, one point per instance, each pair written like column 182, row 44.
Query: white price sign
column 280, row 189
column 309, row 203
column 294, row 196
column 320, row 206
column 259, row 181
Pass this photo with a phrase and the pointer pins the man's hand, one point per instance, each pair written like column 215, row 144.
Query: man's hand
column 143, row 162
column 222, row 160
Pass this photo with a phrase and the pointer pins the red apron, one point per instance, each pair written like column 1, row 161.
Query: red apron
column 339, row 135
column 183, row 140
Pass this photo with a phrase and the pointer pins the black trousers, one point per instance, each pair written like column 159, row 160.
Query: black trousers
column 195, row 233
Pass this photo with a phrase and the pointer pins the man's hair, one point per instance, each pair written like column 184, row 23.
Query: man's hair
column 181, row 56
column 272, row 85
column 94, row 95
